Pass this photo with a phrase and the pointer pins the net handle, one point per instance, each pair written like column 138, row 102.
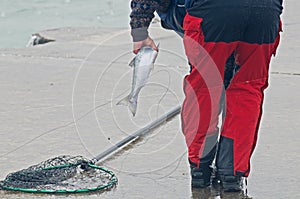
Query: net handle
column 137, row 134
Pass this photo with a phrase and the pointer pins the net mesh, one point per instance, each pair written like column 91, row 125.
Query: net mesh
column 60, row 174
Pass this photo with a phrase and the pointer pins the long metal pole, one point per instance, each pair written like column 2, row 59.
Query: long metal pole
column 137, row 134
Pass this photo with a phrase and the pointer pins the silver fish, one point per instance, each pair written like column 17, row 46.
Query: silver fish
column 142, row 65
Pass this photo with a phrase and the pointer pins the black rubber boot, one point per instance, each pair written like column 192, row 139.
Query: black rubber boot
column 201, row 177
column 231, row 183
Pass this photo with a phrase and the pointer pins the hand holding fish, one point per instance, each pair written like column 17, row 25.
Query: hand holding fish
column 147, row 42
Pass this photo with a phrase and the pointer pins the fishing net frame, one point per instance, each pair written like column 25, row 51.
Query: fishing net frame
column 74, row 174
column 62, row 174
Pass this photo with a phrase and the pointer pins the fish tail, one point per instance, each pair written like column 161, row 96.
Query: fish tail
column 131, row 105
column 124, row 101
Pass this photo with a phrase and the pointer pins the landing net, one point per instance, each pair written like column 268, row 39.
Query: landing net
column 63, row 174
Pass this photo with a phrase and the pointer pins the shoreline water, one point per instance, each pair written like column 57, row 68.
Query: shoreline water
column 19, row 19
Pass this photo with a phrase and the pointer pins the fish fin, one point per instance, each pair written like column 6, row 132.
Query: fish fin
column 124, row 101
column 131, row 105
column 131, row 63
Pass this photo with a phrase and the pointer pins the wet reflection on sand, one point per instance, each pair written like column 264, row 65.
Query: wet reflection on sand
column 217, row 193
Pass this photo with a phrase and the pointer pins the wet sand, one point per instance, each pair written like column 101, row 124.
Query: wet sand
column 59, row 98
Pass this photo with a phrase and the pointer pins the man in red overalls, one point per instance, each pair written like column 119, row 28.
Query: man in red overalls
column 213, row 31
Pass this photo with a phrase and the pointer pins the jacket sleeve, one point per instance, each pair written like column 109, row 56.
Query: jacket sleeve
column 142, row 13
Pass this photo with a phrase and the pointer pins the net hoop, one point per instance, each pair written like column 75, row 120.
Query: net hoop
column 112, row 182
